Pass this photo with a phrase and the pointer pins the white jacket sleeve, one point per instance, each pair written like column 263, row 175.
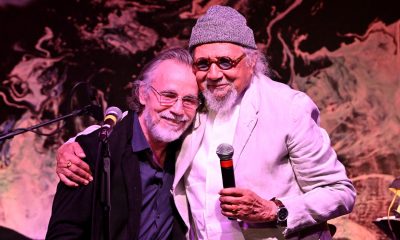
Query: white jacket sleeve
column 328, row 192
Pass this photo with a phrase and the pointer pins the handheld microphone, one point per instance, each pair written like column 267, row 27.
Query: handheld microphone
column 112, row 116
column 225, row 153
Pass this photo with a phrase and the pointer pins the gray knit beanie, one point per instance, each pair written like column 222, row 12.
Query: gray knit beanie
column 222, row 24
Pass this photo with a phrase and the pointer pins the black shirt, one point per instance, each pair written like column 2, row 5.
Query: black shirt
column 157, row 202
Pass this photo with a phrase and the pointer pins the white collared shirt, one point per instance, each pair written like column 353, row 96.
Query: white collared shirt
column 204, row 180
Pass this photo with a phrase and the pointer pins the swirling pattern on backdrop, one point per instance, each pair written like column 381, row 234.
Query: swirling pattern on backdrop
column 344, row 54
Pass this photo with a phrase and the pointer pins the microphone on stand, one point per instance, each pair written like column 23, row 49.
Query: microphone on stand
column 112, row 116
column 102, row 175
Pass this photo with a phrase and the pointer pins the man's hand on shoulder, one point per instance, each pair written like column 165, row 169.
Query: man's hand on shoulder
column 71, row 169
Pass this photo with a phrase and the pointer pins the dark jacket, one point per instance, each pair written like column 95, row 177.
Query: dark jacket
column 72, row 214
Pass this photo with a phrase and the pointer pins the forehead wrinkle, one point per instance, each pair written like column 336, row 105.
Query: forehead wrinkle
column 172, row 75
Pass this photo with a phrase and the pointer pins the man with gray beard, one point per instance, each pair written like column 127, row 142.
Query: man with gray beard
column 143, row 148
column 289, row 182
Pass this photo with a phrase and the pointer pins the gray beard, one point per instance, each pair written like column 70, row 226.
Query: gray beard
column 160, row 133
column 224, row 105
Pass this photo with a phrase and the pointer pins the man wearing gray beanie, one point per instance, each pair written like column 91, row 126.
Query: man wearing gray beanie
column 289, row 182
column 222, row 24
column 288, row 179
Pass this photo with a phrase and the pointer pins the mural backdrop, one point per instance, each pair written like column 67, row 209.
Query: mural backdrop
column 344, row 54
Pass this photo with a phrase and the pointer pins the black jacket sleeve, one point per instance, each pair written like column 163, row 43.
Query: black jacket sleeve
column 71, row 213
column 71, row 216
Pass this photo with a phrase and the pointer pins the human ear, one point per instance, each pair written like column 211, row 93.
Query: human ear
column 252, row 62
column 142, row 94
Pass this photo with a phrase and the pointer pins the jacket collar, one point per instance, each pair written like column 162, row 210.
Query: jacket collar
column 248, row 117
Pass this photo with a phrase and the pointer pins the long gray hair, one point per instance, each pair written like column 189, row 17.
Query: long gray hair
column 261, row 66
column 146, row 76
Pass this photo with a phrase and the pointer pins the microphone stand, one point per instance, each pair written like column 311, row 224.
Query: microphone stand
column 101, row 197
column 101, row 182
column 102, row 165
column 85, row 110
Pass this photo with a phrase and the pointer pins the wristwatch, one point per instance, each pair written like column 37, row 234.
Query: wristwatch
column 282, row 213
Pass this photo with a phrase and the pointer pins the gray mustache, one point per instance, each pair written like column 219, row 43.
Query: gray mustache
column 174, row 118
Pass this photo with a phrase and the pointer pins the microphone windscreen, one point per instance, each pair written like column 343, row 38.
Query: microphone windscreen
column 225, row 150
column 112, row 116
column 114, row 111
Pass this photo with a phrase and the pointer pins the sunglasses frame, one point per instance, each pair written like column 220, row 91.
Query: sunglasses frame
column 217, row 61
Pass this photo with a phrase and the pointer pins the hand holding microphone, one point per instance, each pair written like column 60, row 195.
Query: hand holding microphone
column 240, row 203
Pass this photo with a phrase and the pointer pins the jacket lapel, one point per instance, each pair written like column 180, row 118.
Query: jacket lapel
column 248, row 118
column 119, row 145
column 189, row 147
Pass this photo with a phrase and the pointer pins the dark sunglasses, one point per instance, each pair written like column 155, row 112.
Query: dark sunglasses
column 224, row 63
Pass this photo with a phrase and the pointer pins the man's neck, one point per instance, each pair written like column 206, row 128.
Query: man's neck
column 158, row 148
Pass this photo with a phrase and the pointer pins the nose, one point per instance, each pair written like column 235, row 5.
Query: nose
column 177, row 108
column 214, row 73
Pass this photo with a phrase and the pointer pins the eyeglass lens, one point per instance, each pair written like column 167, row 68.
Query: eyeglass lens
column 224, row 63
column 170, row 98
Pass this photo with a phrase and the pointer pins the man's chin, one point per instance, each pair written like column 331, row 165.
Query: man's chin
column 219, row 95
column 165, row 134
column 220, row 103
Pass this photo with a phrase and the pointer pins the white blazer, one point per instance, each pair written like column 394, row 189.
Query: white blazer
column 280, row 151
